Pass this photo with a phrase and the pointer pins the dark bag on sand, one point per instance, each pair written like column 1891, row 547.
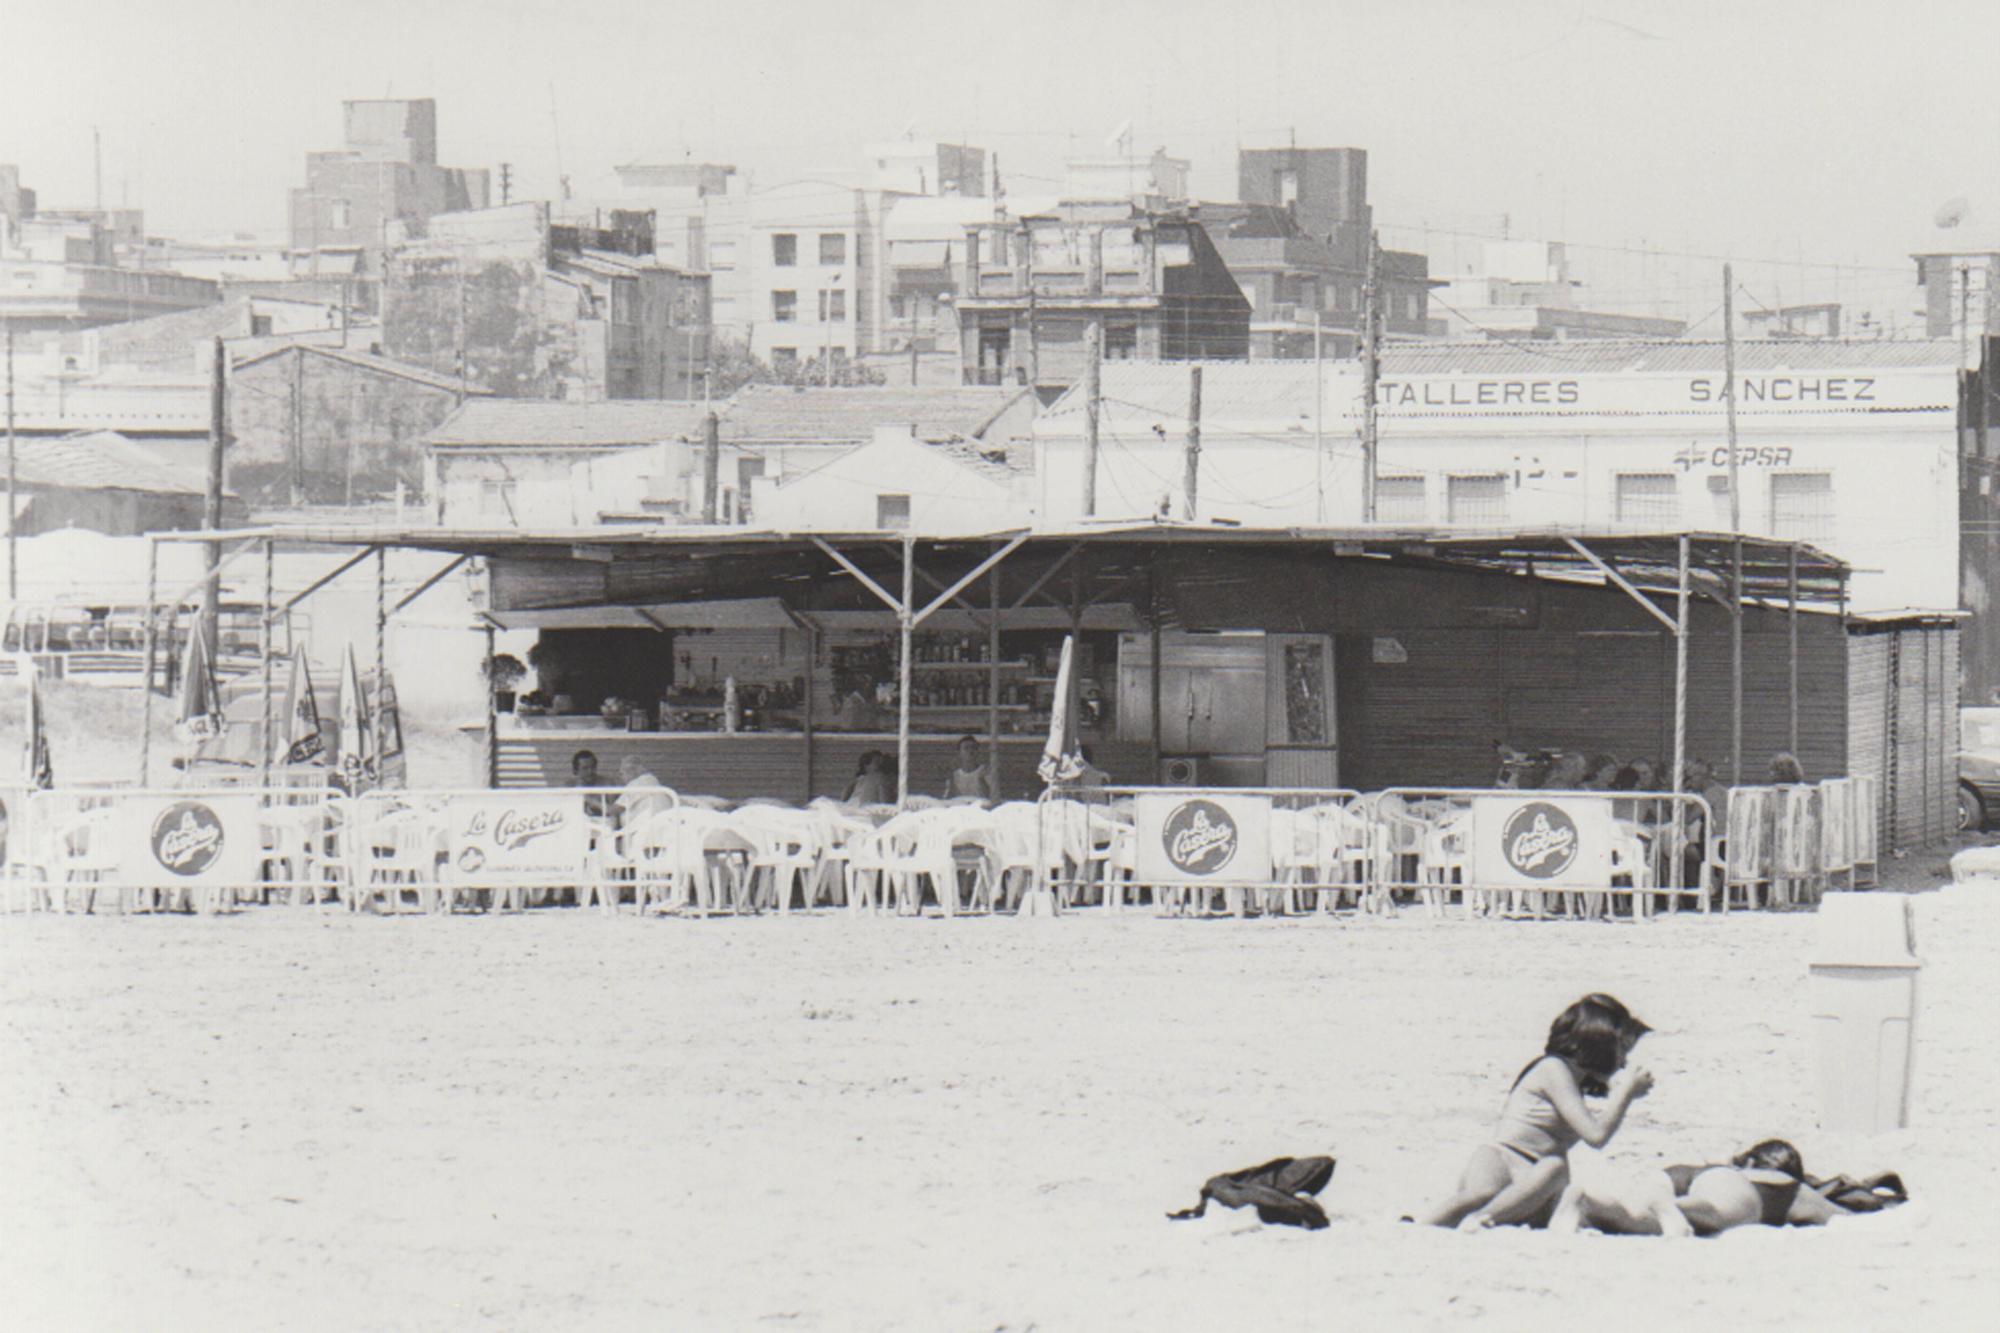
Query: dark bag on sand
column 1871, row 1195
column 1280, row 1190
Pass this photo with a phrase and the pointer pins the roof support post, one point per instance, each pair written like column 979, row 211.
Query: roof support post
column 1013, row 544
column 1792, row 632
column 899, row 607
column 1681, row 609
column 1047, row 574
column 1735, row 660
column 1623, row 585
column 325, row 579
column 429, row 583
column 264, row 664
column 152, row 639
column 904, row 626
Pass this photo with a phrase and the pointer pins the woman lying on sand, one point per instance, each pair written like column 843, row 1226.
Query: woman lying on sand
column 1764, row 1185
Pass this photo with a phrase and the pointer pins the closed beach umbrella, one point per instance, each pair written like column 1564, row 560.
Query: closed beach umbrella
column 201, row 702
column 302, row 742
column 36, row 771
column 354, row 749
column 1060, row 760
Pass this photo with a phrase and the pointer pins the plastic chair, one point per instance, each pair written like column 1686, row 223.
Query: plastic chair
column 1742, row 858
column 1836, row 831
column 395, row 853
column 784, row 850
column 1864, row 831
column 1795, row 869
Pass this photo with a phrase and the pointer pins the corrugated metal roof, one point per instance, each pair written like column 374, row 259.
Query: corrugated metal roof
column 614, row 425
column 779, row 414
column 102, row 460
column 1753, row 355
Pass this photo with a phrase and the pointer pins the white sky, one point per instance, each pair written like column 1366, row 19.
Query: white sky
column 1826, row 131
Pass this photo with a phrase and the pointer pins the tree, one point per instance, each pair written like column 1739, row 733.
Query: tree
column 732, row 365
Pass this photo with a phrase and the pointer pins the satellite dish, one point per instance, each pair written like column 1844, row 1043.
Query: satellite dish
column 1118, row 137
column 1952, row 212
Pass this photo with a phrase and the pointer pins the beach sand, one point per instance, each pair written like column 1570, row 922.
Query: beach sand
column 296, row 1119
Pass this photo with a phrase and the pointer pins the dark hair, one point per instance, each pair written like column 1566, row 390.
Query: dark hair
column 1627, row 779
column 861, row 765
column 1772, row 1155
column 1785, row 768
column 1595, row 1034
column 580, row 756
column 968, row 740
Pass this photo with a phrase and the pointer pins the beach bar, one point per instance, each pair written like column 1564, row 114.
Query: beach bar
column 743, row 662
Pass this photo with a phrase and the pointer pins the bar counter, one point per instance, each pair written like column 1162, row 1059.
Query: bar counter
column 742, row 764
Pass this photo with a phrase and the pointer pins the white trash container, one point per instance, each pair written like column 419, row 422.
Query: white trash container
column 1864, row 1010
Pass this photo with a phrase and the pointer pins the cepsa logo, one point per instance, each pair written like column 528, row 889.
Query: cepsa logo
column 1199, row 837
column 187, row 838
column 1539, row 840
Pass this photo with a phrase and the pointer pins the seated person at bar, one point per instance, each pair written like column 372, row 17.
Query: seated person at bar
column 972, row 777
column 871, row 785
column 642, row 796
column 857, row 712
column 1092, row 775
column 583, row 773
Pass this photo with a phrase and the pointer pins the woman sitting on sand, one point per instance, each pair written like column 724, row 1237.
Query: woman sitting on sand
column 1763, row 1185
column 1518, row 1176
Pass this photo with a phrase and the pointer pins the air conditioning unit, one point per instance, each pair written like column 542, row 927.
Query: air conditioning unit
column 1181, row 770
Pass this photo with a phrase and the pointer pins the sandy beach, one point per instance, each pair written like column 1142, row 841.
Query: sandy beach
column 289, row 1119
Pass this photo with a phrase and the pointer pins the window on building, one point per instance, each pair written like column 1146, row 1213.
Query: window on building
column 1399, row 500
column 833, row 305
column 260, row 326
column 496, row 500
column 785, row 358
column 1652, row 498
column 784, row 249
column 784, row 307
column 1288, row 187
column 832, row 247
column 722, row 254
column 1121, row 342
column 897, row 310
column 1802, row 505
column 892, row 513
column 1476, row 499
column 338, row 214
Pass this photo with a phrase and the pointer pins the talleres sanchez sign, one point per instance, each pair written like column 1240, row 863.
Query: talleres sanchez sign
column 1930, row 388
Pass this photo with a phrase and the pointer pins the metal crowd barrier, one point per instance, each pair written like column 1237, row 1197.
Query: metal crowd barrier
column 1526, row 852
column 1194, row 850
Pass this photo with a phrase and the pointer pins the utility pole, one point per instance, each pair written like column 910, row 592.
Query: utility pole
column 1371, row 370
column 506, row 183
column 711, row 465
column 13, row 581
column 461, row 333
column 1729, row 382
column 1193, row 440
column 1091, row 351
column 1735, row 529
column 298, row 425
column 211, row 513
column 97, row 173
column 1319, row 425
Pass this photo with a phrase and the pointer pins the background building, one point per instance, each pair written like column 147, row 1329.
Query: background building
column 386, row 171
column 1151, row 282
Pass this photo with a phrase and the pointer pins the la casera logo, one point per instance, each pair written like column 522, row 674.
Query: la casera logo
column 187, row 837
column 1199, row 837
column 1539, row 840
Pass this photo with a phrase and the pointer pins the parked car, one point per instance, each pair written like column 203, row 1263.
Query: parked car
column 1978, row 767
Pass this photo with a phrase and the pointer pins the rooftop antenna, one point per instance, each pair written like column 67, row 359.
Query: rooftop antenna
column 1120, row 139
column 555, row 128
